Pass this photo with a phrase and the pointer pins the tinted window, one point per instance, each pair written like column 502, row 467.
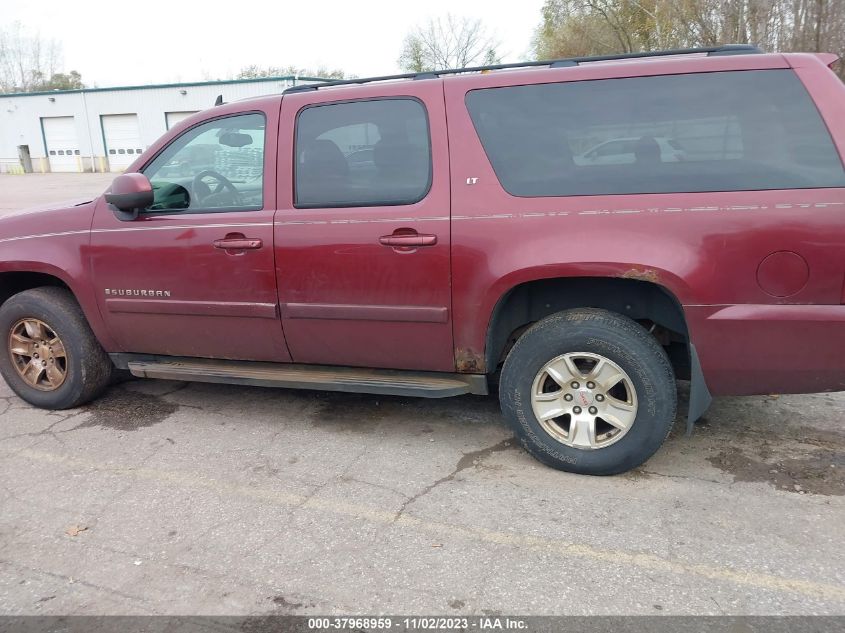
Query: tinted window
column 362, row 153
column 218, row 165
column 724, row 131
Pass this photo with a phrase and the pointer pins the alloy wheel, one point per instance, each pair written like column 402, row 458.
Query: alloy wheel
column 584, row 400
column 38, row 354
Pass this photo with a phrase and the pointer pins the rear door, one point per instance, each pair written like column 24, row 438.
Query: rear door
column 362, row 233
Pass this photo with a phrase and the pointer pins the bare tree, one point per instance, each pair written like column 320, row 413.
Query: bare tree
column 251, row 72
column 450, row 42
column 27, row 61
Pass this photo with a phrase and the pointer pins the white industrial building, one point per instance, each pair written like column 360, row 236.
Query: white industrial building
column 104, row 129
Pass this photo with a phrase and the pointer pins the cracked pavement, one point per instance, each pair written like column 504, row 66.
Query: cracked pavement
column 190, row 498
column 207, row 499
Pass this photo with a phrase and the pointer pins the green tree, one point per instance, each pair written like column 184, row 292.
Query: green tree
column 62, row 81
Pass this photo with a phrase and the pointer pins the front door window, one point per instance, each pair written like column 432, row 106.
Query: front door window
column 215, row 166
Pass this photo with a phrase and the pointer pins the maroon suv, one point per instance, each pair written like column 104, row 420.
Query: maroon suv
column 583, row 232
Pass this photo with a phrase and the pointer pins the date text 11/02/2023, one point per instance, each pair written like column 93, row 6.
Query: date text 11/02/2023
column 418, row 623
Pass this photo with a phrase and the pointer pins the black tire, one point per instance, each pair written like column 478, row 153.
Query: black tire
column 617, row 338
column 88, row 367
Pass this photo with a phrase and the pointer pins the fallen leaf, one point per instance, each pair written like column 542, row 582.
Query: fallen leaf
column 74, row 530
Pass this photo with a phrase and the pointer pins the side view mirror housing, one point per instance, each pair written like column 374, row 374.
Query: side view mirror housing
column 128, row 194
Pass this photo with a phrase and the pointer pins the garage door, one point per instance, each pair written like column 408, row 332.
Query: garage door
column 174, row 117
column 62, row 146
column 123, row 140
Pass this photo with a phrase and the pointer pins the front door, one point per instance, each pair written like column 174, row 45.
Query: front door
column 362, row 238
column 194, row 274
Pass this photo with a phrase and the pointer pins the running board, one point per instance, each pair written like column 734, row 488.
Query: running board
column 320, row 377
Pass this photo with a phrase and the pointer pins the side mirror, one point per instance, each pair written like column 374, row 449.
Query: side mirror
column 128, row 194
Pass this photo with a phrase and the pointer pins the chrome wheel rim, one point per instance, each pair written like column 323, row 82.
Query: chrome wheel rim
column 38, row 354
column 584, row 400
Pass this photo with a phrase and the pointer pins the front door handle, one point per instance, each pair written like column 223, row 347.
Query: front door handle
column 239, row 243
column 411, row 240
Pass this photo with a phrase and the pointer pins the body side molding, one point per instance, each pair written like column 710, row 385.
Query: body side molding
column 352, row 312
column 194, row 308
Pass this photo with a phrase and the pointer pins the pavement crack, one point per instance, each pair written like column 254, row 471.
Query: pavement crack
column 468, row 460
column 339, row 477
column 48, row 431
column 375, row 485
column 688, row 477
column 72, row 580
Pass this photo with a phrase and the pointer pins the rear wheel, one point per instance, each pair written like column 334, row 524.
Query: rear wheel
column 589, row 391
column 52, row 358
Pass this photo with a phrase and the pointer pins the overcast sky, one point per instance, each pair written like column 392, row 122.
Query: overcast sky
column 121, row 43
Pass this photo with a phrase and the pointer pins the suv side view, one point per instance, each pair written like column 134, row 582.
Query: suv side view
column 579, row 234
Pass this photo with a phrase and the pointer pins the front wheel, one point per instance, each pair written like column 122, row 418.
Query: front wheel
column 51, row 358
column 589, row 391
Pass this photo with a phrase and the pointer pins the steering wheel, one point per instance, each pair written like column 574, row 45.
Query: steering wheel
column 203, row 191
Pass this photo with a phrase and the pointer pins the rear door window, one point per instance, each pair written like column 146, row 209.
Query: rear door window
column 362, row 153
column 720, row 131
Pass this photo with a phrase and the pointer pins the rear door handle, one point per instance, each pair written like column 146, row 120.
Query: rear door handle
column 238, row 243
column 408, row 240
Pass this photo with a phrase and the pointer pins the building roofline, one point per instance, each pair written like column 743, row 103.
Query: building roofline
column 218, row 82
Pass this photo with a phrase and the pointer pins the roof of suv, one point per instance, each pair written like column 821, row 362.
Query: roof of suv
column 727, row 49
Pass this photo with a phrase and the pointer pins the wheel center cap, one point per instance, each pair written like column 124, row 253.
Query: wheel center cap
column 585, row 396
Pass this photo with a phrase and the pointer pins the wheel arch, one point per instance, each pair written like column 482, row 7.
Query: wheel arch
column 638, row 296
column 15, row 281
column 18, row 276
column 530, row 301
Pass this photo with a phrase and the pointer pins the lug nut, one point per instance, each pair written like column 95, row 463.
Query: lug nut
column 593, row 410
column 599, row 398
column 576, row 410
column 591, row 385
column 575, row 385
column 568, row 397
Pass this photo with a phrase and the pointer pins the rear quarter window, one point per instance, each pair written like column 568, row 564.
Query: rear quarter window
column 721, row 131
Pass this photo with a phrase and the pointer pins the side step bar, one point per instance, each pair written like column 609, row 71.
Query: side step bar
column 319, row 377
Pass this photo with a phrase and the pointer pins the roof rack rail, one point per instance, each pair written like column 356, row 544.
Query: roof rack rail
column 726, row 49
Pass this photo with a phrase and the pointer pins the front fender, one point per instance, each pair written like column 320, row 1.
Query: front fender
column 64, row 256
